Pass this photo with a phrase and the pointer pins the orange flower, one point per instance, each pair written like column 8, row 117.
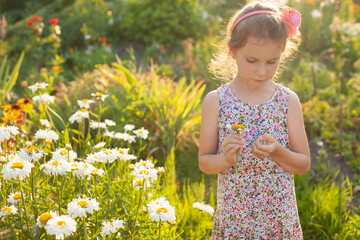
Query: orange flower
column 76, row 68
column 356, row 7
column 54, row 21
column 71, row 50
column 55, row 68
column 24, row 84
column 26, row 104
column 311, row 2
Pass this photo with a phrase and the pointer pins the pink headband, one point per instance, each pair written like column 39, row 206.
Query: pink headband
column 289, row 16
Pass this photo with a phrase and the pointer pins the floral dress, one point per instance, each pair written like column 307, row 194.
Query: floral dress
column 258, row 201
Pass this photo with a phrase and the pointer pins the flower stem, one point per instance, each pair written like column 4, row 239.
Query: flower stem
column 137, row 210
column 85, row 233
column 236, row 160
column 58, row 194
column 33, row 193
column 159, row 230
column 25, row 213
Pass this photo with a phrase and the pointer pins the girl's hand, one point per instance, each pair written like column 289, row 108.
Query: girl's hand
column 261, row 150
column 230, row 145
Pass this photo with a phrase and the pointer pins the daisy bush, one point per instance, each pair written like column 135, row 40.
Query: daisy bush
column 79, row 178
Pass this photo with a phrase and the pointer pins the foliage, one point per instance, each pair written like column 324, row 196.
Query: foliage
column 165, row 22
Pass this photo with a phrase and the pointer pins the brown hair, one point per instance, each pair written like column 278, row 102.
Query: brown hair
column 268, row 26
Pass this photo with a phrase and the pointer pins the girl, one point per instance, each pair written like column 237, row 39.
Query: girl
column 257, row 199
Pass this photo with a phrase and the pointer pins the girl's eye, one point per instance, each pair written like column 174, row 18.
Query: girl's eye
column 272, row 62
column 250, row 61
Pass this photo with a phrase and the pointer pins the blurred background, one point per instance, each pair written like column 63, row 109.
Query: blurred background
column 152, row 56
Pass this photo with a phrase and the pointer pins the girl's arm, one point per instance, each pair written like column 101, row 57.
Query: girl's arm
column 297, row 160
column 209, row 161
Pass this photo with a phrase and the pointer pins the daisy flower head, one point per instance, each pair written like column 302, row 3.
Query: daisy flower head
column 43, row 218
column 110, row 134
column 96, row 125
column 111, row 227
column 47, row 135
column 129, row 127
column 146, row 164
column 107, row 155
column 6, row 132
column 81, row 206
column 82, row 169
column 123, row 154
column 99, row 96
column 44, row 98
column 14, row 198
column 110, row 123
column 161, row 210
column 144, row 173
column 31, row 153
column 91, row 158
column 141, row 133
column 7, row 210
column 161, row 170
column 85, row 103
column 37, row 86
column 17, row 169
column 139, row 183
column 56, row 167
column 79, row 115
column 125, row 136
column 100, row 145
column 61, row 226
column 45, row 123
column 64, row 154
column 205, row 208
column 97, row 172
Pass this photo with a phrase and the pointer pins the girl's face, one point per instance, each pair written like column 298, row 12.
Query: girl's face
column 257, row 60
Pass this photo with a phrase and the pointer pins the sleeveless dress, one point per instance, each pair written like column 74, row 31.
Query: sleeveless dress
column 258, row 201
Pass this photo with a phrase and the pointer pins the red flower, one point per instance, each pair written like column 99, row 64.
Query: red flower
column 30, row 23
column 292, row 19
column 54, row 21
column 36, row 18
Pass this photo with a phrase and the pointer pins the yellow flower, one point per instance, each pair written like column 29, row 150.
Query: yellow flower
column 311, row 2
column 237, row 127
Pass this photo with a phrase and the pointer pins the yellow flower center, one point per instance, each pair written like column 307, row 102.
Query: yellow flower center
column 32, row 149
column 82, row 203
column 56, row 163
column 17, row 165
column 86, row 166
column 139, row 182
column 161, row 210
column 17, row 196
column 78, row 115
column 85, row 100
column 45, row 217
column 61, row 224
column 146, row 172
column 237, row 127
column 98, row 95
column 106, row 152
column 120, row 151
column 63, row 153
column 140, row 131
column 95, row 172
column 143, row 163
column 7, row 210
column 74, row 165
column 38, row 85
column 111, row 224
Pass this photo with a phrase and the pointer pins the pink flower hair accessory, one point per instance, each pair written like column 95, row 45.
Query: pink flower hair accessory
column 292, row 19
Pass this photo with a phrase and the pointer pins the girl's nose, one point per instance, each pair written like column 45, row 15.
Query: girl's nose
column 261, row 71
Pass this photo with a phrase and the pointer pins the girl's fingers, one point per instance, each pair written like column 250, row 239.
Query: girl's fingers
column 258, row 153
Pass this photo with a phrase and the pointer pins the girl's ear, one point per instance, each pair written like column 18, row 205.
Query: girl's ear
column 231, row 51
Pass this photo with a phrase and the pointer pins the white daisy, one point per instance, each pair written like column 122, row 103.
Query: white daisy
column 144, row 173
column 204, row 208
column 91, row 158
column 109, row 134
column 110, row 123
column 160, row 209
column 17, row 168
column 81, row 206
column 7, row 210
column 7, row 132
column 139, row 183
column 79, row 115
column 99, row 96
column 146, row 164
column 32, row 153
column 14, row 198
column 111, row 227
column 47, row 135
column 61, row 226
column 161, row 170
column 143, row 133
column 45, row 123
column 13, row 130
column 64, row 154
column 95, row 125
column 129, row 127
column 37, row 86
column 82, row 169
column 125, row 136
column 56, row 167
column 97, row 172
column 100, row 145
column 43, row 219
column 85, row 103
column 44, row 98
column 123, row 154
column 107, row 155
